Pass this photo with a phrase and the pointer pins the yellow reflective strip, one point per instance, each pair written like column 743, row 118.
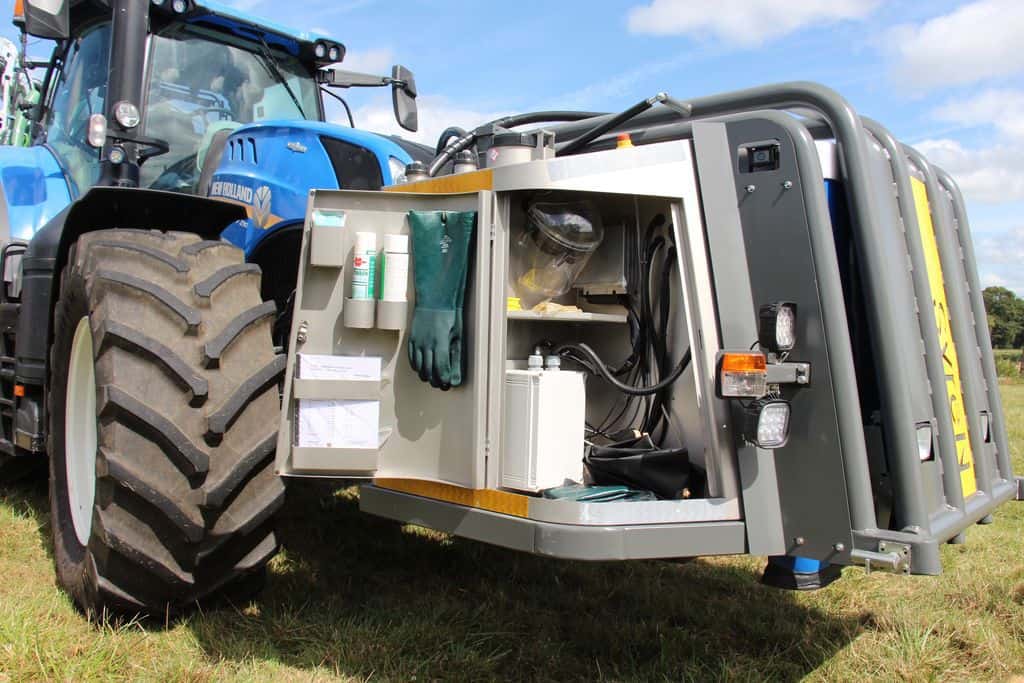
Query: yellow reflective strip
column 485, row 499
column 950, row 361
column 463, row 182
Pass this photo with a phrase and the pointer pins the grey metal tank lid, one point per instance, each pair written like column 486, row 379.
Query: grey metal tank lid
column 514, row 140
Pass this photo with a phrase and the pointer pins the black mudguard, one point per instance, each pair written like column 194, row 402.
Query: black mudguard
column 100, row 208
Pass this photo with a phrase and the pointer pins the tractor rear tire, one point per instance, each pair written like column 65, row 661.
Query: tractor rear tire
column 163, row 416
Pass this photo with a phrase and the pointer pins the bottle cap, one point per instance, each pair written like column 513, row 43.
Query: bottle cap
column 365, row 241
column 396, row 244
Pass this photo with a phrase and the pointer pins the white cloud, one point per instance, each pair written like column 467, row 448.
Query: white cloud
column 992, row 174
column 435, row 114
column 1001, row 255
column 1002, row 108
column 1005, row 248
column 976, row 42
column 742, row 22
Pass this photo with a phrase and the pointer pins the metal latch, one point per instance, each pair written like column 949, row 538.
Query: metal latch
column 789, row 373
column 890, row 557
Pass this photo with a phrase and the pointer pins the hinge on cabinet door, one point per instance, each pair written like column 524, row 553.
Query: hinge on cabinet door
column 494, row 231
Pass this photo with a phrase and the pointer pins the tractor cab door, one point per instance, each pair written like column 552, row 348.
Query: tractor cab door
column 78, row 92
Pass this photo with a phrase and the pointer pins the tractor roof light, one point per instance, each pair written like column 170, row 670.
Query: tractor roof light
column 126, row 114
column 766, row 422
column 334, row 53
column 777, row 326
column 320, row 50
column 742, row 375
column 97, row 134
column 179, row 6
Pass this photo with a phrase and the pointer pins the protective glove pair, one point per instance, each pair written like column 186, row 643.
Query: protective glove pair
column 440, row 260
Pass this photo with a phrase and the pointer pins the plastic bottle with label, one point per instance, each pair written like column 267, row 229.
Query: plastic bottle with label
column 364, row 262
column 395, row 268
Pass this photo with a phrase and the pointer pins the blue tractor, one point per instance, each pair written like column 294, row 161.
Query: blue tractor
column 150, row 238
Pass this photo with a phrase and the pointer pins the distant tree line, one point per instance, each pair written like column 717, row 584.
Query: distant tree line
column 1005, row 317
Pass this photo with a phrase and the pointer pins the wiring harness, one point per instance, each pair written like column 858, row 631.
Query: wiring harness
column 632, row 453
column 647, row 374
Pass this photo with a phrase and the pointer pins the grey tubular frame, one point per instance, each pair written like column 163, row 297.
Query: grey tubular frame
column 963, row 232
column 962, row 322
column 933, row 351
column 889, row 290
column 888, row 281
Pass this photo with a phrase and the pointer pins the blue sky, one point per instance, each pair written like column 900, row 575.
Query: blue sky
column 945, row 76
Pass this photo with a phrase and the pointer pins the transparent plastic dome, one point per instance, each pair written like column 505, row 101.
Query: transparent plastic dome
column 552, row 248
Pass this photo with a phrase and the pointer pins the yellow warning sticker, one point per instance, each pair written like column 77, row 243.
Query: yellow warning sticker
column 950, row 362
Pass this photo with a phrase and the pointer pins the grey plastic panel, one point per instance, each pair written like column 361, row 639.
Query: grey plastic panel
column 567, row 541
column 634, row 512
column 321, row 389
column 781, row 265
column 422, row 436
column 737, row 317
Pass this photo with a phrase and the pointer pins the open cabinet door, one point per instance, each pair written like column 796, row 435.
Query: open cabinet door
column 349, row 382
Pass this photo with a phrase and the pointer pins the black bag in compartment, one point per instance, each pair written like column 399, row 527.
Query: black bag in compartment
column 639, row 464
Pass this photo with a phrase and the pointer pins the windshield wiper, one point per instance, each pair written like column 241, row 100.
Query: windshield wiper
column 272, row 66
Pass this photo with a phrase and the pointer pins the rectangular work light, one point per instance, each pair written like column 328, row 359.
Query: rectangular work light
column 777, row 326
column 766, row 422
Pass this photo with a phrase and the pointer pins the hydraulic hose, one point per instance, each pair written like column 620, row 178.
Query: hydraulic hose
column 467, row 139
column 597, row 364
column 446, row 135
column 602, row 128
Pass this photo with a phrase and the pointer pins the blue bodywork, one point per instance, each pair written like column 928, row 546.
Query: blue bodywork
column 245, row 26
column 35, row 188
column 290, row 159
column 273, row 184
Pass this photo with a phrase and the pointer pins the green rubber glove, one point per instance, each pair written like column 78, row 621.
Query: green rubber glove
column 440, row 260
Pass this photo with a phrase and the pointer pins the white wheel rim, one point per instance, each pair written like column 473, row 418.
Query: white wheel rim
column 80, row 431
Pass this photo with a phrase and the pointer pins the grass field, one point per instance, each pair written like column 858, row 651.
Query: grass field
column 356, row 598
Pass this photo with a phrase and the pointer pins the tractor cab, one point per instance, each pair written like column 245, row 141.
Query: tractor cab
column 150, row 95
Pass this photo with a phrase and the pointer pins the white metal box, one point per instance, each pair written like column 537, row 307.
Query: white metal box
column 543, row 429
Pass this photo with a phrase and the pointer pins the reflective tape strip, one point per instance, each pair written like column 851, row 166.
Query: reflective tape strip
column 485, row 499
column 950, row 362
column 473, row 181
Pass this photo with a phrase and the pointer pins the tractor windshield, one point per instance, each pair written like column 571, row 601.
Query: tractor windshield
column 199, row 85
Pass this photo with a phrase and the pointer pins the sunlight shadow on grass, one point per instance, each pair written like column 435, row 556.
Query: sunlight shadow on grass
column 360, row 596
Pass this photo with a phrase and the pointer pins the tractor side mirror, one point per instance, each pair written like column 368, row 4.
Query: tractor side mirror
column 403, row 95
column 47, row 19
